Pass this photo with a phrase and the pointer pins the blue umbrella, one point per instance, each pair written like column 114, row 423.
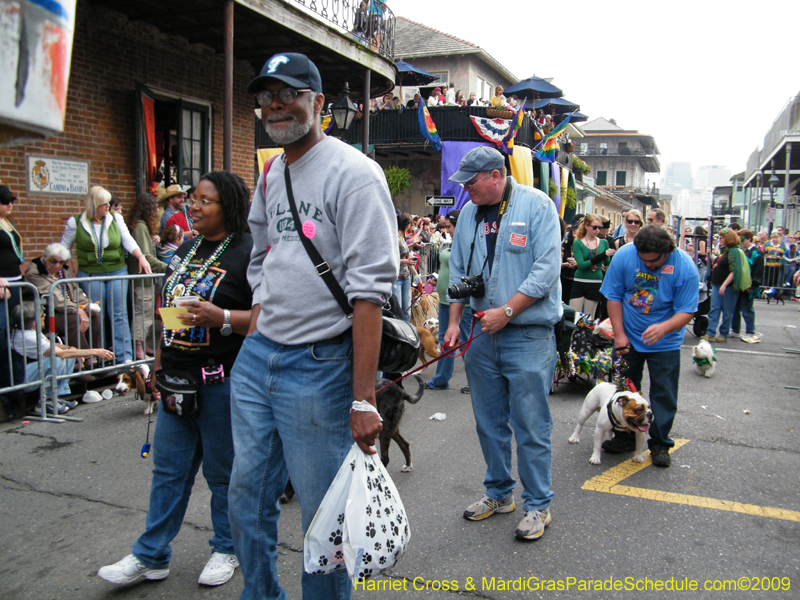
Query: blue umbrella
column 533, row 87
column 562, row 105
column 577, row 117
column 408, row 74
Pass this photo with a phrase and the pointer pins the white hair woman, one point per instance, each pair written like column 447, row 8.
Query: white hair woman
column 77, row 321
column 100, row 239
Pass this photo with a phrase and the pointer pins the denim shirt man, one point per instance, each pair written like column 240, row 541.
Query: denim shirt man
column 511, row 368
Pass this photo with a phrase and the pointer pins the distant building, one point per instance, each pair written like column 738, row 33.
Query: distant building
column 676, row 176
column 620, row 160
column 710, row 176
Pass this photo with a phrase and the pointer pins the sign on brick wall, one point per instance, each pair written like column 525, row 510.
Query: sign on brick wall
column 53, row 175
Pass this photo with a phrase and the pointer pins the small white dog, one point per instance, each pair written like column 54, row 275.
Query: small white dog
column 621, row 411
column 704, row 357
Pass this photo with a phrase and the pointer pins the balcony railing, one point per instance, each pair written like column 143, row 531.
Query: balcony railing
column 401, row 127
column 370, row 23
column 598, row 151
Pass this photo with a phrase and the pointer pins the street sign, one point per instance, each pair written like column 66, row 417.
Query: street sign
column 440, row 200
column 771, row 212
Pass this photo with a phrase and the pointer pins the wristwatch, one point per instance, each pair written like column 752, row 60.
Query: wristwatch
column 226, row 328
column 509, row 310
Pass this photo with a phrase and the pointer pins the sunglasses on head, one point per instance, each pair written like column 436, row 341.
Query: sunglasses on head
column 634, row 222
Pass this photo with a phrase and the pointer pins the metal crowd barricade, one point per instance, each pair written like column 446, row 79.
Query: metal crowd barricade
column 106, row 304
column 26, row 385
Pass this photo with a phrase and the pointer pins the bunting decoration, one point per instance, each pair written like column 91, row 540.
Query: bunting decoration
column 428, row 128
column 549, row 148
column 492, row 130
column 508, row 140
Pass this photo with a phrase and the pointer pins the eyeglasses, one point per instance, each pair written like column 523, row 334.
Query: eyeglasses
column 634, row 222
column 287, row 96
column 204, row 202
column 650, row 262
column 55, row 261
column 471, row 184
column 595, row 227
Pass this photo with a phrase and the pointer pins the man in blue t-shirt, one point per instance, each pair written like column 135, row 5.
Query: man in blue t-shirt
column 652, row 291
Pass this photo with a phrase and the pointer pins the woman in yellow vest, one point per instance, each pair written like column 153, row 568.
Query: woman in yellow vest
column 101, row 239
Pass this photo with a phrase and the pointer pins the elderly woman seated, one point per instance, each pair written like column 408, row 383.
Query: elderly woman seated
column 77, row 321
column 34, row 346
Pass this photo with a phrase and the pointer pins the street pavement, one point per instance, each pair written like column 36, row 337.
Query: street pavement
column 727, row 513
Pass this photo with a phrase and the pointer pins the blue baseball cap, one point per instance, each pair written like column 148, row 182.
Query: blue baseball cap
column 476, row 161
column 291, row 68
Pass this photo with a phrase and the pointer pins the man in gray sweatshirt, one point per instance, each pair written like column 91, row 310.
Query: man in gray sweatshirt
column 304, row 363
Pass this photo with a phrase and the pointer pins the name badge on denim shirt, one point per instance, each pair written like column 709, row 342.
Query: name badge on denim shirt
column 667, row 270
column 517, row 239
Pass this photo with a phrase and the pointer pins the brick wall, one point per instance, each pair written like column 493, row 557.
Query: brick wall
column 110, row 55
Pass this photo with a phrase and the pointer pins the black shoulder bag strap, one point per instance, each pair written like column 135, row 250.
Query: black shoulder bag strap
column 322, row 268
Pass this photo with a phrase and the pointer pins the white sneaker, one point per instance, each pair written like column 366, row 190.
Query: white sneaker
column 219, row 569
column 532, row 525
column 130, row 570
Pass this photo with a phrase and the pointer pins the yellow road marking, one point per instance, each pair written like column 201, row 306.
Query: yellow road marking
column 609, row 483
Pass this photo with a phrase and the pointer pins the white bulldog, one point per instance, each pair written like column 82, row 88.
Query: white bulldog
column 622, row 411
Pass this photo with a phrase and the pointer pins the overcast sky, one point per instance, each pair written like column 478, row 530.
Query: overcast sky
column 706, row 78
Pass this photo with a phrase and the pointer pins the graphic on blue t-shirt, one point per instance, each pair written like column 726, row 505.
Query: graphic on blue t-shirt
column 645, row 287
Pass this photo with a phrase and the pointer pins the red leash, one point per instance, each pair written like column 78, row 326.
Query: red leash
column 449, row 352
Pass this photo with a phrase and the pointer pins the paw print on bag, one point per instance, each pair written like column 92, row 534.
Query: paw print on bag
column 383, row 528
column 369, row 484
column 377, row 546
column 371, row 529
column 405, row 530
column 399, row 518
column 370, row 467
column 353, row 466
column 388, row 511
column 339, row 555
column 382, row 560
column 323, row 561
column 394, row 528
column 390, row 545
column 340, row 518
column 388, row 493
column 369, row 510
column 336, row 537
column 367, row 558
column 365, row 573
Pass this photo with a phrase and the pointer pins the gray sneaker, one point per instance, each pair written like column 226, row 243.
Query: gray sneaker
column 532, row 525
column 486, row 507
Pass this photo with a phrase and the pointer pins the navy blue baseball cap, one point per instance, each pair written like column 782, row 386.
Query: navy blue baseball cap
column 292, row 69
column 476, row 161
column 6, row 197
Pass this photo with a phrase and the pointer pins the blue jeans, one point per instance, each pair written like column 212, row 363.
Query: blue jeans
column 744, row 309
column 64, row 366
column 664, row 369
column 179, row 447
column 725, row 304
column 291, row 417
column 402, row 290
column 113, row 296
column 445, row 366
column 509, row 376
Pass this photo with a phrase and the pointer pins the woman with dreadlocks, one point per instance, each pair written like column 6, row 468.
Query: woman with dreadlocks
column 207, row 276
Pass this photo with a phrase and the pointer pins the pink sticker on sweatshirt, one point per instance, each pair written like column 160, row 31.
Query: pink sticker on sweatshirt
column 309, row 229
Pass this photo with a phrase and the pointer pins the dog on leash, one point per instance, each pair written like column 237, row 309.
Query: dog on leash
column 620, row 411
column 703, row 357
column 772, row 294
column 427, row 344
column 138, row 380
column 391, row 406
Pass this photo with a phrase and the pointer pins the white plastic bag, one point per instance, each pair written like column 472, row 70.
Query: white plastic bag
column 360, row 523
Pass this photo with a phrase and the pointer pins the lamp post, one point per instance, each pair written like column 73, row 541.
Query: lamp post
column 772, row 182
column 343, row 110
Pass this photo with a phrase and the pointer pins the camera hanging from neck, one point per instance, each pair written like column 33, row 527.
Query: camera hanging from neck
column 479, row 217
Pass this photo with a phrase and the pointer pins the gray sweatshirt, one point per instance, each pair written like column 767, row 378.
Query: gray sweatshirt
column 347, row 211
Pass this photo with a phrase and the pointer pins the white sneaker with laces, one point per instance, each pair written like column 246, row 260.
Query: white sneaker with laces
column 219, row 569
column 486, row 507
column 130, row 570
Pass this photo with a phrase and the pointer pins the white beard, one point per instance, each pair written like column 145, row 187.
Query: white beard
column 282, row 135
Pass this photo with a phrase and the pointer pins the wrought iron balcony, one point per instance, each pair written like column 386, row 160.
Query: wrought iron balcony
column 370, row 23
column 401, row 128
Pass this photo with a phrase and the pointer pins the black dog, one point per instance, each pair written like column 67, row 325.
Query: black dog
column 391, row 405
